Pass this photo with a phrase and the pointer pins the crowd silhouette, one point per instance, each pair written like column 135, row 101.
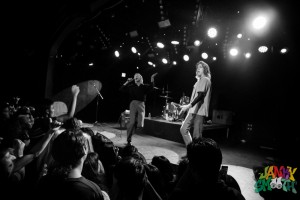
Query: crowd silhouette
column 54, row 157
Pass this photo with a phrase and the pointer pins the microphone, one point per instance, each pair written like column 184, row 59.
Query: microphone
column 97, row 90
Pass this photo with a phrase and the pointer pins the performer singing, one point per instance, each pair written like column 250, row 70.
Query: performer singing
column 199, row 105
column 137, row 92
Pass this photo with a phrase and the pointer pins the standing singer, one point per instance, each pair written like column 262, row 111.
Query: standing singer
column 137, row 91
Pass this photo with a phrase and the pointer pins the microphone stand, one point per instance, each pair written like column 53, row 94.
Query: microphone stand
column 97, row 105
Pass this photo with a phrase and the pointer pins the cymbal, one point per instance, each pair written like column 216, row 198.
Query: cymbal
column 86, row 95
column 167, row 92
column 166, row 97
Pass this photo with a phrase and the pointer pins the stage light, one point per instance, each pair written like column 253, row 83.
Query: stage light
column 174, row 42
column 123, row 75
column 117, row 54
column 263, row 49
column 164, row 60
column 247, row 55
column 150, row 63
column 160, row 45
column 174, row 63
column 239, row 35
column 259, row 22
column 233, row 52
column 204, row 55
column 197, row 43
column 283, row 50
column 133, row 49
column 212, row 32
column 186, row 58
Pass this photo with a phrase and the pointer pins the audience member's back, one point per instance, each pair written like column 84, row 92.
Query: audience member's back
column 64, row 181
column 201, row 178
column 165, row 167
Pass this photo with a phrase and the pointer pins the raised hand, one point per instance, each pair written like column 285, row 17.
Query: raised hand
column 152, row 77
column 75, row 90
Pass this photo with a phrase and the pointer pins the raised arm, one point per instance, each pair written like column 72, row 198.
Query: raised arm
column 36, row 150
column 123, row 87
column 152, row 78
column 71, row 111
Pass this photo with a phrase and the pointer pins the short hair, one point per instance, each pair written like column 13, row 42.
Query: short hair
column 71, row 123
column 69, row 147
column 204, row 156
column 205, row 66
column 131, row 175
column 142, row 80
column 91, row 164
column 164, row 165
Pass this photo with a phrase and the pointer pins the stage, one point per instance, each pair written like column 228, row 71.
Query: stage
column 170, row 130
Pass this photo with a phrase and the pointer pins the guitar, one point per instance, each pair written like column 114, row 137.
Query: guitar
column 179, row 112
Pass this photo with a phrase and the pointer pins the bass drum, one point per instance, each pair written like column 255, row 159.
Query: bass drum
column 170, row 112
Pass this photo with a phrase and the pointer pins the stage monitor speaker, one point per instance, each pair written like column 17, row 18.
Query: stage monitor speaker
column 124, row 119
column 164, row 24
column 222, row 117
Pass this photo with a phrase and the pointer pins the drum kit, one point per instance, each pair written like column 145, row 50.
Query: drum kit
column 171, row 110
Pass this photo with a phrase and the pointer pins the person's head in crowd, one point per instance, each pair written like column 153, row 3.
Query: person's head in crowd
column 131, row 150
column 5, row 111
column 7, row 158
column 93, row 170
column 92, row 165
column 205, row 159
column 69, row 149
column 131, row 177
column 182, row 166
column 46, row 108
column 25, row 114
column 72, row 123
column 165, row 167
column 155, row 178
column 19, row 128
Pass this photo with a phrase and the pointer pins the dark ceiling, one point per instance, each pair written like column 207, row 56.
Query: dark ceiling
column 81, row 31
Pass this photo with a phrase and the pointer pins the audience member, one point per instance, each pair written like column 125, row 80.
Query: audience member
column 45, row 113
column 131, row 150
column 156, row 180
column 201, row 178
column 69, row 152
column 13, row 162
column 166, row 169
column 131, row 182
column 94, row 171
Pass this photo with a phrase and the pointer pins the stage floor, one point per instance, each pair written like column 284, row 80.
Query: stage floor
column 239, row 154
